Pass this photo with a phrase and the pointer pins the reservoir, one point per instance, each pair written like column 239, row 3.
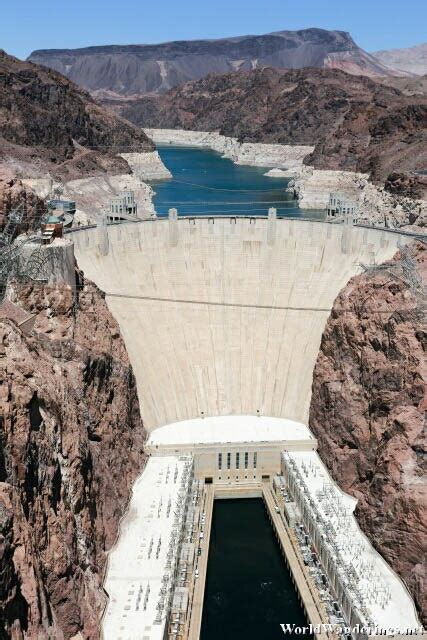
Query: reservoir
column 205, row 183
column 249, row 591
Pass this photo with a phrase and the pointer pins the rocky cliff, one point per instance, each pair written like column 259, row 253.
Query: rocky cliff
column 368, row 409
column 53, row 136
column 71, row 445
column 14, row 194
column 47, row 120
column 114, row 71
column 354, row 123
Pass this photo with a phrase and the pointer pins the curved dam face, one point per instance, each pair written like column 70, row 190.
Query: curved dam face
column 225, row 316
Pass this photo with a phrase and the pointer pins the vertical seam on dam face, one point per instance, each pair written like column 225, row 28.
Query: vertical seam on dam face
column 186, row 310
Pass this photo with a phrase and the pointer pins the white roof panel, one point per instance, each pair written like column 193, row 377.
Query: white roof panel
column 229, row 429
column 386, row 599
column 137, row 563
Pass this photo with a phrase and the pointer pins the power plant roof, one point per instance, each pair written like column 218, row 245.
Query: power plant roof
column 229, row 429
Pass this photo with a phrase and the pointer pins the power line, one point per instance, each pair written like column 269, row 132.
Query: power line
column 215, row 202
column 245, row 306
column 202, row 186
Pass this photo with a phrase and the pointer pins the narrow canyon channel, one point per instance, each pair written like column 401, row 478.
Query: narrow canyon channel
column 249, row 591
column 205, row 183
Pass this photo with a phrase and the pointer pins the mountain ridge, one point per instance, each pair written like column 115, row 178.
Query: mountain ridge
column 407, row 61
column 354, row 123
column 46, row 119
column 154, row 68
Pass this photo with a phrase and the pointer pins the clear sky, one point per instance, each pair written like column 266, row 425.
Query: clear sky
column 26, row 25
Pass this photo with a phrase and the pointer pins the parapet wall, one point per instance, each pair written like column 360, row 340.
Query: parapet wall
column 225, row 316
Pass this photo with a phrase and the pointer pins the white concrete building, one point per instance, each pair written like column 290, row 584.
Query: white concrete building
column 370, row 593
column 141, row 570
column 122, row 207
column 232, row 449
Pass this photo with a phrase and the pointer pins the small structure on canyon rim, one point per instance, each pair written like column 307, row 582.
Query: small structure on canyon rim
column 123, row 207
column 63, row 209
column 342, row 207
column 52, row 228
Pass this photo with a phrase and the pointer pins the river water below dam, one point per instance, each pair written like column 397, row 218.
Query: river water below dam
column 205, row 183
column 249, row 591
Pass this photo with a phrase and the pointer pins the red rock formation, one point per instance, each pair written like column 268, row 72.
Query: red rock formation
column 13, row 194
column 368, row 410
column 72, row 443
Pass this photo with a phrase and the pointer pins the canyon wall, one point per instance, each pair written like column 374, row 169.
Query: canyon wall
column 345, row 129
column 147, row 166
column 375, row 203
column 49, row 127
column 368, row 408
column 353, row 123
column 13, row 193
column 45, row 116
column 71, row 446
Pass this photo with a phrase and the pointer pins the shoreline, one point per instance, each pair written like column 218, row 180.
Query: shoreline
column 312, row 186
column 93, row 193
column 253, row 154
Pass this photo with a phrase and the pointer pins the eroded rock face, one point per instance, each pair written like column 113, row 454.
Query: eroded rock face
column 14, row 194
column 72, row 443
column 49, row 125
column 354, row 123
column 42, row 109
column 368, row 409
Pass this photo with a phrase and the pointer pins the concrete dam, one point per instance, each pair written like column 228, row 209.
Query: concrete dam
column 222, row 319
column 224, row 316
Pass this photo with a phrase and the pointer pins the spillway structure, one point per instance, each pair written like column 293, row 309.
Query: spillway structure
column 223, row 319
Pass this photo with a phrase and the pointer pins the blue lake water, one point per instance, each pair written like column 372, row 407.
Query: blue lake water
column 204, row 183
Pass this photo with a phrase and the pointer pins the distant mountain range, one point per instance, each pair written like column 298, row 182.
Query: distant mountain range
column 134, row 70
column 412, row 60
